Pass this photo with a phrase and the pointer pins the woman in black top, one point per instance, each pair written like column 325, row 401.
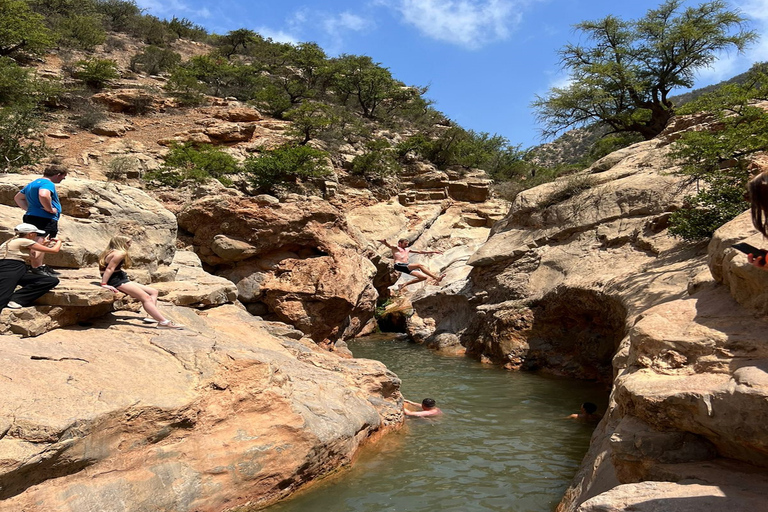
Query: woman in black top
column 114, row 278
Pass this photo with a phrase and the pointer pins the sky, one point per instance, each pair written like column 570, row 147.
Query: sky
column 483, row 60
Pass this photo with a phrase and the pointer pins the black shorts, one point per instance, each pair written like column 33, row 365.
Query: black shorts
column 50, row 226
column 118, row 278
column 402, row 267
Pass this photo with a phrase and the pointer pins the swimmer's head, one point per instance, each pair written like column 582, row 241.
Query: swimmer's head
column 428, row 403
column 589, row 407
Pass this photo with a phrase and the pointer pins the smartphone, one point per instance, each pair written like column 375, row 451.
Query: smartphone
column 750, row 249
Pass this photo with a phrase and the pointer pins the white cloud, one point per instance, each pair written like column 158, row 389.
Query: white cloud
column 278, row 36
column 467, row 23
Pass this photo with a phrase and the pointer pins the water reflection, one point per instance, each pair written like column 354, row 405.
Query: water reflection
column 502, row 443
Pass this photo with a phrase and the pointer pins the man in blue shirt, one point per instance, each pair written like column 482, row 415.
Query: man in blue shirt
column 41, row 202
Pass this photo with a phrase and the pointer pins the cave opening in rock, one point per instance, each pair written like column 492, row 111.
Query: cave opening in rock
column 576, row 332
column 393, row 322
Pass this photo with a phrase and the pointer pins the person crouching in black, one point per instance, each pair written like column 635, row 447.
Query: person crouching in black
column 14, row 255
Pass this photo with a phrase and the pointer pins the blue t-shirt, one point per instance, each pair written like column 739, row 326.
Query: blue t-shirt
column 32, row 193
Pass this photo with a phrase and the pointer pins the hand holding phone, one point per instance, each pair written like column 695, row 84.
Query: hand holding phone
column 756, row 257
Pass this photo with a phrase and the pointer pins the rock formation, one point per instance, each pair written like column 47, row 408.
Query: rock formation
column 582, row 279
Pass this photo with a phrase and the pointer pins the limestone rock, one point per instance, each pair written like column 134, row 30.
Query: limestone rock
column 299, row 258
column 219, row 416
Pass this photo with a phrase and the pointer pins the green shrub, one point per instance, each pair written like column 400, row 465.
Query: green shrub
column 187, row 162
column 286, row 165
column 377, row 162
column 184, row 28
column 310, row 119
column 83, row 32
column 702, row 214
column 717, row 160
column 154, row 60
column 20, row 140
column 119, row 15
column 185, row 87
column 23, row 31
column 96, row 73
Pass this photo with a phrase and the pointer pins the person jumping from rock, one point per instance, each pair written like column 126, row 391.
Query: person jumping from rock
column 401, row 253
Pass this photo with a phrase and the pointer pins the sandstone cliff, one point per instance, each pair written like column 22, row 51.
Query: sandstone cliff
column 582, row 279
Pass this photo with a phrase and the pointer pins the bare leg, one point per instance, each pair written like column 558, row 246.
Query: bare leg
column 147, row 296
column 424, row 270
column 418, row 277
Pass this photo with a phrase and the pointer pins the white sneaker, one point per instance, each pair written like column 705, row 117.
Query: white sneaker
column 14, row 305
column 169, row 325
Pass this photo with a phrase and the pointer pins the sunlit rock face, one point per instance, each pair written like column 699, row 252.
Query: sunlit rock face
column 232, row 411
column 297, row 261
column 581, row 278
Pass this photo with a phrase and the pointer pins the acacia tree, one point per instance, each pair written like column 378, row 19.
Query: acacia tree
column 22, row 30
column 623, row 76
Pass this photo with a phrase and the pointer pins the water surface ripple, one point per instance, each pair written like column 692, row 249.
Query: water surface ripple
column 502, row 445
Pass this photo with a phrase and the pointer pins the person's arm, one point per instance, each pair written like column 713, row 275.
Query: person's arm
column 114, row 261
column 21, row 200
column 426, row 252
column 421, row 414
column 383, row 241
column 37, row 246
column 45, row 200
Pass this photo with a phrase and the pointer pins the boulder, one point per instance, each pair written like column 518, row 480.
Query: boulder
column 299, row 258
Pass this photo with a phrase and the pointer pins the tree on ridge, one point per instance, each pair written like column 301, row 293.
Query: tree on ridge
column 623, row 78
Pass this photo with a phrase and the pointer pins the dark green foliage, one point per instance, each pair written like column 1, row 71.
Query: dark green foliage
column 214, row 75
column 119, row 15
column 184, row 28
column 83, row 32
column 721, row 201
column 154, row 60
column 286, row 165
column 309, row 120
column 456, row 146
column 236, row 41
column 188, row 162
column 22, row 31
column 20, row 144
column 152, row 30
column 96, row 73
column 185, row 87
column 622, row 80
column 363, row 84
column 718, row 159
column 18, row 86
column 379, row 161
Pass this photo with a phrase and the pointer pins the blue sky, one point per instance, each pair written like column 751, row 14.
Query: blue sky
column 483, row 60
